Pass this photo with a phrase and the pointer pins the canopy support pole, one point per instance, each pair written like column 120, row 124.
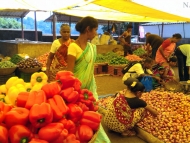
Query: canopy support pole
column 54, row 27
column 22, row 28
column 162, row 29
column 35, row 24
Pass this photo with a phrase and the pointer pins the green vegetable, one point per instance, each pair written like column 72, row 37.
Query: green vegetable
column 16, row 59
column 7, row 64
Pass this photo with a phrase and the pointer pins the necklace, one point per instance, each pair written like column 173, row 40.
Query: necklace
column 84, row 54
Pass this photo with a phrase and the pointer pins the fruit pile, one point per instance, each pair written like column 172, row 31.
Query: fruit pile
column 57, row 112
column 43, row 59
column 29, row 63
column 172, row 124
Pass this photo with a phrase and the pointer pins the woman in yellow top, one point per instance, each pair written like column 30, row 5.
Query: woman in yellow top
column 58, row 54
column 81, row 58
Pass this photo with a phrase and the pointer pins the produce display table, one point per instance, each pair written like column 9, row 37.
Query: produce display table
column 32, row 48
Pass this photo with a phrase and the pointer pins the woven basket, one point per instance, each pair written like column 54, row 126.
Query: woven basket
column 174, row 86
column 7, row 71
column 94, row 137
column 30, row 70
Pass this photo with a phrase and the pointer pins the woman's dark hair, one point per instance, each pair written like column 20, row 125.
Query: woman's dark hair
column 173, row 59
column 134, row 85
column 148, row 60
column 85, row 22
column 177, row 36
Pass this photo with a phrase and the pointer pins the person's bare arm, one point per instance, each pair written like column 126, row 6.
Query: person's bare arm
column 151, row 110
column 71, row 62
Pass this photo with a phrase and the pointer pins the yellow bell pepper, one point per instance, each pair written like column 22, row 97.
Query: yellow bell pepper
column 37, row 87
column 3, row 89
column 13, row 92
column 2, row 97
column 10, row 81
column 38, row 77
column 28, row 86
column 14, row 81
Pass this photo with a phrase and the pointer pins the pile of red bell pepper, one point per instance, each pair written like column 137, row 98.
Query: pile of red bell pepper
column 60, row 112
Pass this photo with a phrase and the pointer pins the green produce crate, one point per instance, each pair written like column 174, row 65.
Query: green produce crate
column 25, row 76
column 4, row 78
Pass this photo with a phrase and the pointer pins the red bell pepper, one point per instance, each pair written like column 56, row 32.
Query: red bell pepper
column 69, row 125
column 40, row 115
column 77, row 85
column 20, row 134
column 53, row 133
column 16, row 116
column 35, row 97
column 3, row 135
column 86, row 97
column 34, row 140
column 51, row 89
column 4, row 108
column 63, row 73
column 84, row 133
column 91, row 119
column 71, row 138
column 66, row 78
column 94, row 106
column 58, row 106
column 21, row 99
column 83, row 106
column 70, row 95
column 75, row 112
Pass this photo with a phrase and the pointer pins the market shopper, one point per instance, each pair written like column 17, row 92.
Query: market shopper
column 140, row 69
column 81, row 58
column 183, row 57
column 169, row 72
column 167, row 48
column 153, row 42
column 57, row 59
column 125, row 40
column 126, row 110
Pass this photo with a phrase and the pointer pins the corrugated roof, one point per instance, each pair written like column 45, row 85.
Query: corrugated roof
column 160, row 23
column 73, row 19
column 13, row 13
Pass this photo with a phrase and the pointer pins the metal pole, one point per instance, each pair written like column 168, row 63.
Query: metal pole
column 35, row 24
column 22, row 27
column 162, row 29
column 54, row 27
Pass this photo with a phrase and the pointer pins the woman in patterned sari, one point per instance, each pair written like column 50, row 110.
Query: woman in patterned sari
column 126, row 110
column 81, row 58
column 58, row 54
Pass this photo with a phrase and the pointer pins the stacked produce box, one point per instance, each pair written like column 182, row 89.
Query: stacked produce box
column 114, row 62
column 56, row 112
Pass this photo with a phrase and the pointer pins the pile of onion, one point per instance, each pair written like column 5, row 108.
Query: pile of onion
column 172, row 123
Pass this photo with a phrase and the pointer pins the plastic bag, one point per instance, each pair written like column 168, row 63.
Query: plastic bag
column 147, row 82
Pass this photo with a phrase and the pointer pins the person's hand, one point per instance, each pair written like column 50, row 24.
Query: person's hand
column 157, row 78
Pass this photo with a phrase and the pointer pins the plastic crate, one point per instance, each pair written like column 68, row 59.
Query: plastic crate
column 102, row 68
column 95, row 70
column 4, row 78
column 115, row 70
column 25, row 76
